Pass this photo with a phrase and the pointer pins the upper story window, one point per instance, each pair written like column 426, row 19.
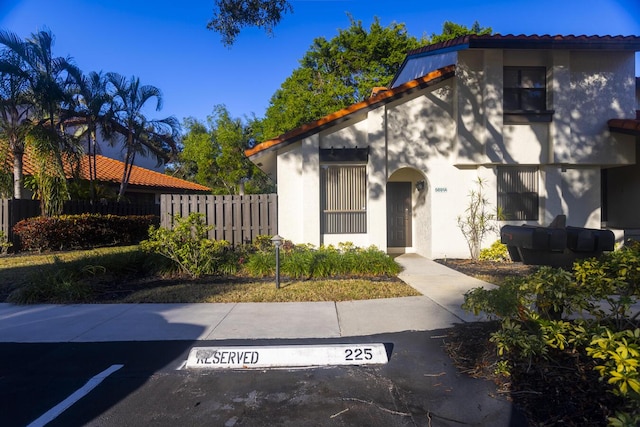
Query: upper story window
column 525, row 95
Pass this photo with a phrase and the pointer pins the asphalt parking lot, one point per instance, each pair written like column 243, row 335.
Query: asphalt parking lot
column 417, row 387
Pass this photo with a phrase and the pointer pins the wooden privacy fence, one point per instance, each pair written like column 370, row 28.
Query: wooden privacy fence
column 236, row 219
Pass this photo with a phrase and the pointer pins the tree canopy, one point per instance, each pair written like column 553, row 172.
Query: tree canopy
column 231, row 16
column 213, row 155
column 336, row 73
column 451, row 30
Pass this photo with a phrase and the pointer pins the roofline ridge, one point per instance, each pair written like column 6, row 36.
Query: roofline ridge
column 386, row 96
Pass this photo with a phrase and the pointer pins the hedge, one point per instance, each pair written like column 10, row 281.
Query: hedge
column 84, row 231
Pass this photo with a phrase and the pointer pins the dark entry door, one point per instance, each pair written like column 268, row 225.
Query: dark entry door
column 399, row 214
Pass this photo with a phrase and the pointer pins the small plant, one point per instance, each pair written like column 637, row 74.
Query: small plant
column 477, row 221
column 496, row 252
column 5, row 244
column 189, row 248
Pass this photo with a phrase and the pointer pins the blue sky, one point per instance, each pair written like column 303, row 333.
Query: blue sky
column 167, row 45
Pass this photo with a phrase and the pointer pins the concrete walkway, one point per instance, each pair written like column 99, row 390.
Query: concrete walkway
column 442, row 292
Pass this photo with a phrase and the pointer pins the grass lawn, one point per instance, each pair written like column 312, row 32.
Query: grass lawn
column 127, row 275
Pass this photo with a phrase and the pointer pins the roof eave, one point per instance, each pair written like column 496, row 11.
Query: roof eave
column 345, row 114
column 625, row 126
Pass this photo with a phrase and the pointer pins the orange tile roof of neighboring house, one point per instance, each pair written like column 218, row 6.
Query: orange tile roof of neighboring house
column 381, row 97
column 110, row 170
column 629, row 126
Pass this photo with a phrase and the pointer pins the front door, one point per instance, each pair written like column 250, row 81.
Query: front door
column 399, row 214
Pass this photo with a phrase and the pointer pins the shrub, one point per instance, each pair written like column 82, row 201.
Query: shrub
column 81, row 231
column 477, row 221
column 532, row 329
column 260, row 264
column 5, row 244
column 189, row 248
column 496, row 252
column 305, row 262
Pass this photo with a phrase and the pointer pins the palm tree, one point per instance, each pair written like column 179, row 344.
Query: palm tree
column 49, row 82
column 92, row 104
column 15, row 106
column 141, row 135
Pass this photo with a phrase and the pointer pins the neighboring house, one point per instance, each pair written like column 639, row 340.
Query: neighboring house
column 529, row 115
column 115, row 148
column 145, row 186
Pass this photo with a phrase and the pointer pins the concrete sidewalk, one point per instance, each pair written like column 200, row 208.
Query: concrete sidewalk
column 439, row 307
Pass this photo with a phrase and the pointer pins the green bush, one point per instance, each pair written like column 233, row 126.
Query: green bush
column 533, row 327
column 81, row 231
column 305, row 262
column 496, row 252
column 5, row 244
column 189, row 248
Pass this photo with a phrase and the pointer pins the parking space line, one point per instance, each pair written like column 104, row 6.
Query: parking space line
column 54, row 412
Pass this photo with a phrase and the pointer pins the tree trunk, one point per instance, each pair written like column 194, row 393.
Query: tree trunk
column 18, row 179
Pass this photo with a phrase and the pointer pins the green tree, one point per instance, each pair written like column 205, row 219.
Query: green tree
column 142, row 135
column 213, row 155
column 15, row 105
column 336, row 73
column 452, row 30
column 231, row 16
column 196, row 160
column 91, row 110
column 49, row 87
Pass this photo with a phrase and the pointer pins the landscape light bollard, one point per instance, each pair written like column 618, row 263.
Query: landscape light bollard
column 277, row 241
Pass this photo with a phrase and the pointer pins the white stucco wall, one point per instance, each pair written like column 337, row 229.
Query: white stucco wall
column 600, row 87
column 571, row 192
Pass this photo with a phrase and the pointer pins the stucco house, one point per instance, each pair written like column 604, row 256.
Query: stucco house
column 548, row 123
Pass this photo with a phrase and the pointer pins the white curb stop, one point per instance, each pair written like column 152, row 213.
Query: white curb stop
column 288, row 356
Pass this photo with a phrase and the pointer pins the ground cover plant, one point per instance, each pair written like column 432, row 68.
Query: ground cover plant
column 566, row 344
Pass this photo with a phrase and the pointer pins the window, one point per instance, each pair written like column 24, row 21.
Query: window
column 343, row 193
column 525, row 89
column 518, row 193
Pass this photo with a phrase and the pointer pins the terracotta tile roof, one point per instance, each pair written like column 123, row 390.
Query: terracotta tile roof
column 110, row 170
column 628, row 126
column 381, row 97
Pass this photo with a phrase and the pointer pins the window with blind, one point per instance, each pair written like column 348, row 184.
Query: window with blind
column 343, row 199
column 525, row 89
column 518, row 193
